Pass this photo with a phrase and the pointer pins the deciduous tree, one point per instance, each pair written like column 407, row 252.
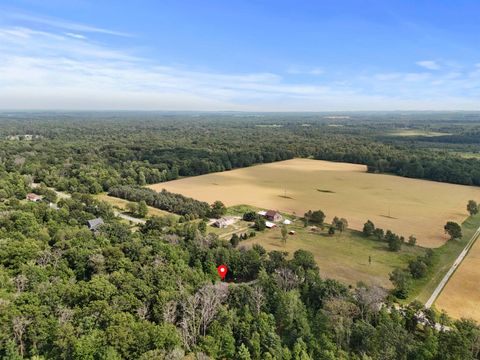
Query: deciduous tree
column 453, row 230
column 472, row 207
column 368, row 228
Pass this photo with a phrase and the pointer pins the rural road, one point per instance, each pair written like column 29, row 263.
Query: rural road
column 450, row 272
column 63, row 195
column 129, row 218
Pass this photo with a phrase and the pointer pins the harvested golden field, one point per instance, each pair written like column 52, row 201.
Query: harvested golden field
column 405, row 206
column 460, row 297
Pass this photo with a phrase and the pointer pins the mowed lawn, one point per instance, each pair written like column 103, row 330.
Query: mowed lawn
column 461, row 295
column 342, row 256
column 405, row 206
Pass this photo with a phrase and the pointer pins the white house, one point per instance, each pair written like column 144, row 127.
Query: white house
column 224, row 222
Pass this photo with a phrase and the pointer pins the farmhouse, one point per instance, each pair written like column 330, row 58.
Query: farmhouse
column 350, row 185
column 224, row 222
column 34, row 197
column 94, row 224
column 273, row 215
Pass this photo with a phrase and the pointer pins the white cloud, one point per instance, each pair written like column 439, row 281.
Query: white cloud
column 405, row 77
column 429, row 64
column 62, row 24
column 294, row 70
column 38, row 67
column 76, row 36
column 60, row 70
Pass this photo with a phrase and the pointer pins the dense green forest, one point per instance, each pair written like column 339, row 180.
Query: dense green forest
column 90, row 152
column 153, row 292
column 174, row 203
column 69, row 293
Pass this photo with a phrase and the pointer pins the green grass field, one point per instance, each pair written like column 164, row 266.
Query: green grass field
column 239, row 210
column 417, row 132
column 239, row 227
column 121, row 205
column 444, row 257
column 344, row 257
column 467, row 155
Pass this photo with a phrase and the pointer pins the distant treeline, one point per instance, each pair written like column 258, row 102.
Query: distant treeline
column 164, row 200
column 80, row 153
column 412, row 163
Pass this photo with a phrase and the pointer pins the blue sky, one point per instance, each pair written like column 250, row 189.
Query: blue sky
column 240, row 55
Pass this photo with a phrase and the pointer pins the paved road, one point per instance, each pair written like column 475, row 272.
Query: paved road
column 450, row 272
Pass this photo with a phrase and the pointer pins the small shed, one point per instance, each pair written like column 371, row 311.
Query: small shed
column 53, row 206
column 286, row 222
column 292, row 232
column 270, row 225
column 34, row 197
column 94, row 224
column 262, row 213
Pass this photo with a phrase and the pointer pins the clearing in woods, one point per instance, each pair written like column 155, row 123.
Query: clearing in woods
column 343, row 256
column 121, row 205
column 405, row 206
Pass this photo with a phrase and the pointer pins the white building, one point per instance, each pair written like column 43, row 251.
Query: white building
column 270, row 225
column 224, row 222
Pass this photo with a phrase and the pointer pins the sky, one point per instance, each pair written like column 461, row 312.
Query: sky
column 240, row 55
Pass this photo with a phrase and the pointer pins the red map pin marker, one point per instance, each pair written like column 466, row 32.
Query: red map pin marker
column 222, row 271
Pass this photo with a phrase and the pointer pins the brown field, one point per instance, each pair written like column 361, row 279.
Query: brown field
column 461, row 296
column 405, row 206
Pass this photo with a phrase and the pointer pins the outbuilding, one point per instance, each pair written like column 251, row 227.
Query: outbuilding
column 34, row 197
column 94, row 224
column 224, row 222
column 270, row 225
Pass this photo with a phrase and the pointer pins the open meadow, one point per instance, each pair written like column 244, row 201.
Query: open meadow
column 405, row 206
column 121, row 205
column 343, row 256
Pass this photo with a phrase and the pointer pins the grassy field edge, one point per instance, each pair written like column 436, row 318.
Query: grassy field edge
column 443, row 258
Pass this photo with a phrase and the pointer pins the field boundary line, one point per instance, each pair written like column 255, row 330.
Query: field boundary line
column 441, row 285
